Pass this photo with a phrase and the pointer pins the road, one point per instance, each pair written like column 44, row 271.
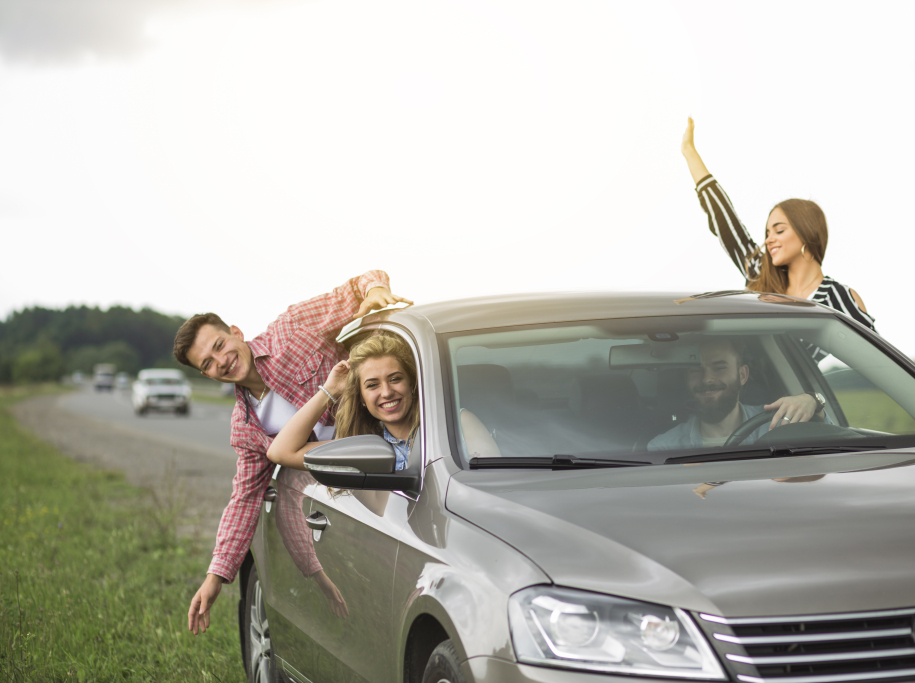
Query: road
column 206, row 427
column 186, row 461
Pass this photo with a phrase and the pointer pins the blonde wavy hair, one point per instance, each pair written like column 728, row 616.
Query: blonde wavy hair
column 353, row 418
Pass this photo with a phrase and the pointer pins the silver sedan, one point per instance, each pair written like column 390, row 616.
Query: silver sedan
column 712, row 487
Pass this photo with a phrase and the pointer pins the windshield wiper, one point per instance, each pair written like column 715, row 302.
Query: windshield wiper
column 557, row 462
column 813, row 450
column 771, row 452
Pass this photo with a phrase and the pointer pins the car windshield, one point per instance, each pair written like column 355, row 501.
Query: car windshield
column 650, row 389
column 163, row 381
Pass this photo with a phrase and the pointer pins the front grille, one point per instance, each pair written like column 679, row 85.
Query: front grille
column 164, row 397
column 828, row 648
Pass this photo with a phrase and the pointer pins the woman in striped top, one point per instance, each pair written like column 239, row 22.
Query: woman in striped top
column 794, row 247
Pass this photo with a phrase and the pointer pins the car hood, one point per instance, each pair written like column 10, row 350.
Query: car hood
column 752, row 546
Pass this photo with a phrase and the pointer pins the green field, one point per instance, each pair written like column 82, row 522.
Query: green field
column 94, row 583
column 873, row 409
column 208, row 398
column 208, row 391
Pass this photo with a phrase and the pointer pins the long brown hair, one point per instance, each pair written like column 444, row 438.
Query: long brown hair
column 809, row 223
column 353, row 418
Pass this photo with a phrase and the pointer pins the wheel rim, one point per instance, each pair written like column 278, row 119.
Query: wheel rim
column 259, row 646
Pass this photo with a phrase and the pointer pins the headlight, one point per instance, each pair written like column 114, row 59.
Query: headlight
column 567, row 628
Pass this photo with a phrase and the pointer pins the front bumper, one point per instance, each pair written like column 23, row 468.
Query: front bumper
column 166, row 402
column 495, row 670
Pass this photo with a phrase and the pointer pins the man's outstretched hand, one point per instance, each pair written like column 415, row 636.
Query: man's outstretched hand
column 332, row 593
column 198, row 616
column 378, row 297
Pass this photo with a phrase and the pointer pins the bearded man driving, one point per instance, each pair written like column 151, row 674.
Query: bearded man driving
column 715, row 386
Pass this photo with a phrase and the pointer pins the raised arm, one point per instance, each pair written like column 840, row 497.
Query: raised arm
column 687, row 146
column 292, row 442
column 327, row 313
column 723, row 221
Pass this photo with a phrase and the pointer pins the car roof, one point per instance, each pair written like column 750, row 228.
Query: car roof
column 507, row 310
column 160, row 372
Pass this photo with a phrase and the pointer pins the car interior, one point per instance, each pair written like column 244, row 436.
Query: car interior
column 593, row 396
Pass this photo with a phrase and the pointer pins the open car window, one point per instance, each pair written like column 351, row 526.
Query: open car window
column 628, row 389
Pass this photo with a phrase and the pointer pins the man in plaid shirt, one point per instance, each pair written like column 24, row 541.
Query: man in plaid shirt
column 291, row 359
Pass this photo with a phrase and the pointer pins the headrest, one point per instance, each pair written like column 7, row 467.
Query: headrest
column 599, row 395
column 491, row 381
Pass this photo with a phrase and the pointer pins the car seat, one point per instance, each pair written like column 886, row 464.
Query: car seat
column 487, row 391
column 607, row 409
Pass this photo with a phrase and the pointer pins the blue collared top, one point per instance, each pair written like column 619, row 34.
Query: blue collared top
column 688, row 434
column 401, row 448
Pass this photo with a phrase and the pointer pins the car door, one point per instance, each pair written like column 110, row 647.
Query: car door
column 358, row 552
column 296, row 605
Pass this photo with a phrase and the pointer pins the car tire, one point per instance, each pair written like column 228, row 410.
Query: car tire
column 444, row 665
column 256, row 633
column 182, row 411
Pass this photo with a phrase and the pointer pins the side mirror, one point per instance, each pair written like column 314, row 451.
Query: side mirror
column 361, row 462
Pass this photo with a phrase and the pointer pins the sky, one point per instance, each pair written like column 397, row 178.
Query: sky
column 239, row 156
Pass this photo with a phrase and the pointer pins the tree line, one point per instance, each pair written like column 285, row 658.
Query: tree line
column 42, row 344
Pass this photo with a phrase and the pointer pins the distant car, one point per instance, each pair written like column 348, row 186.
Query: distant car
column 163, row 390
column 78, row 378
column 103, row 376
column 537, row 535
column 122, row 380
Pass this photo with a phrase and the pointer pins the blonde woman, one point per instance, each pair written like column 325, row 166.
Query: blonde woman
column 375, row 393
column 790, row 260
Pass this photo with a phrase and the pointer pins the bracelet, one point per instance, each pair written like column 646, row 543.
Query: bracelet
column 332, row 399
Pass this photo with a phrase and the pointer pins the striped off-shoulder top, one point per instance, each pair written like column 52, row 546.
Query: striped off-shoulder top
column 746, row 254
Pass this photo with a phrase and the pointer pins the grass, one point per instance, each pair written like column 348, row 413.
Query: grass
column 208, row 391
column 94, row 582
column 219, row 400
column 872, row 409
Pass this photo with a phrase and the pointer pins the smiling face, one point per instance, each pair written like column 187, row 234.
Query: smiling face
column 220, row 355
column 716, row 382
column 387, row 394
column 782, row 242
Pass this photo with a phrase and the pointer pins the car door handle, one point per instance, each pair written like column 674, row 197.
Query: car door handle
column 317, row 521
column 270, row 494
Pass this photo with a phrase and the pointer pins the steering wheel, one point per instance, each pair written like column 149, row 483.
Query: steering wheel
column 748, row 427
column 805, row 431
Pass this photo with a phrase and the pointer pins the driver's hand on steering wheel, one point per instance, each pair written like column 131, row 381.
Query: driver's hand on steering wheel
column 800, row 408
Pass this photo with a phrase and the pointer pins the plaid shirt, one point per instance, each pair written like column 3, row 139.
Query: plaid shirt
column 294, row 356
column 297, row 537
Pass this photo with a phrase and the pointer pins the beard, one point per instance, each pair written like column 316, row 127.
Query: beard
column 715, row 410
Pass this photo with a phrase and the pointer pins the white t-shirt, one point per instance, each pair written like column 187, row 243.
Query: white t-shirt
column 275, row 411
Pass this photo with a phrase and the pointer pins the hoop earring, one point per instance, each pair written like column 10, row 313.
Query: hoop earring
column 804, row 246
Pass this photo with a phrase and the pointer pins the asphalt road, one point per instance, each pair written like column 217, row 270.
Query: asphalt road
column 185, row 461
column 206, row 427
